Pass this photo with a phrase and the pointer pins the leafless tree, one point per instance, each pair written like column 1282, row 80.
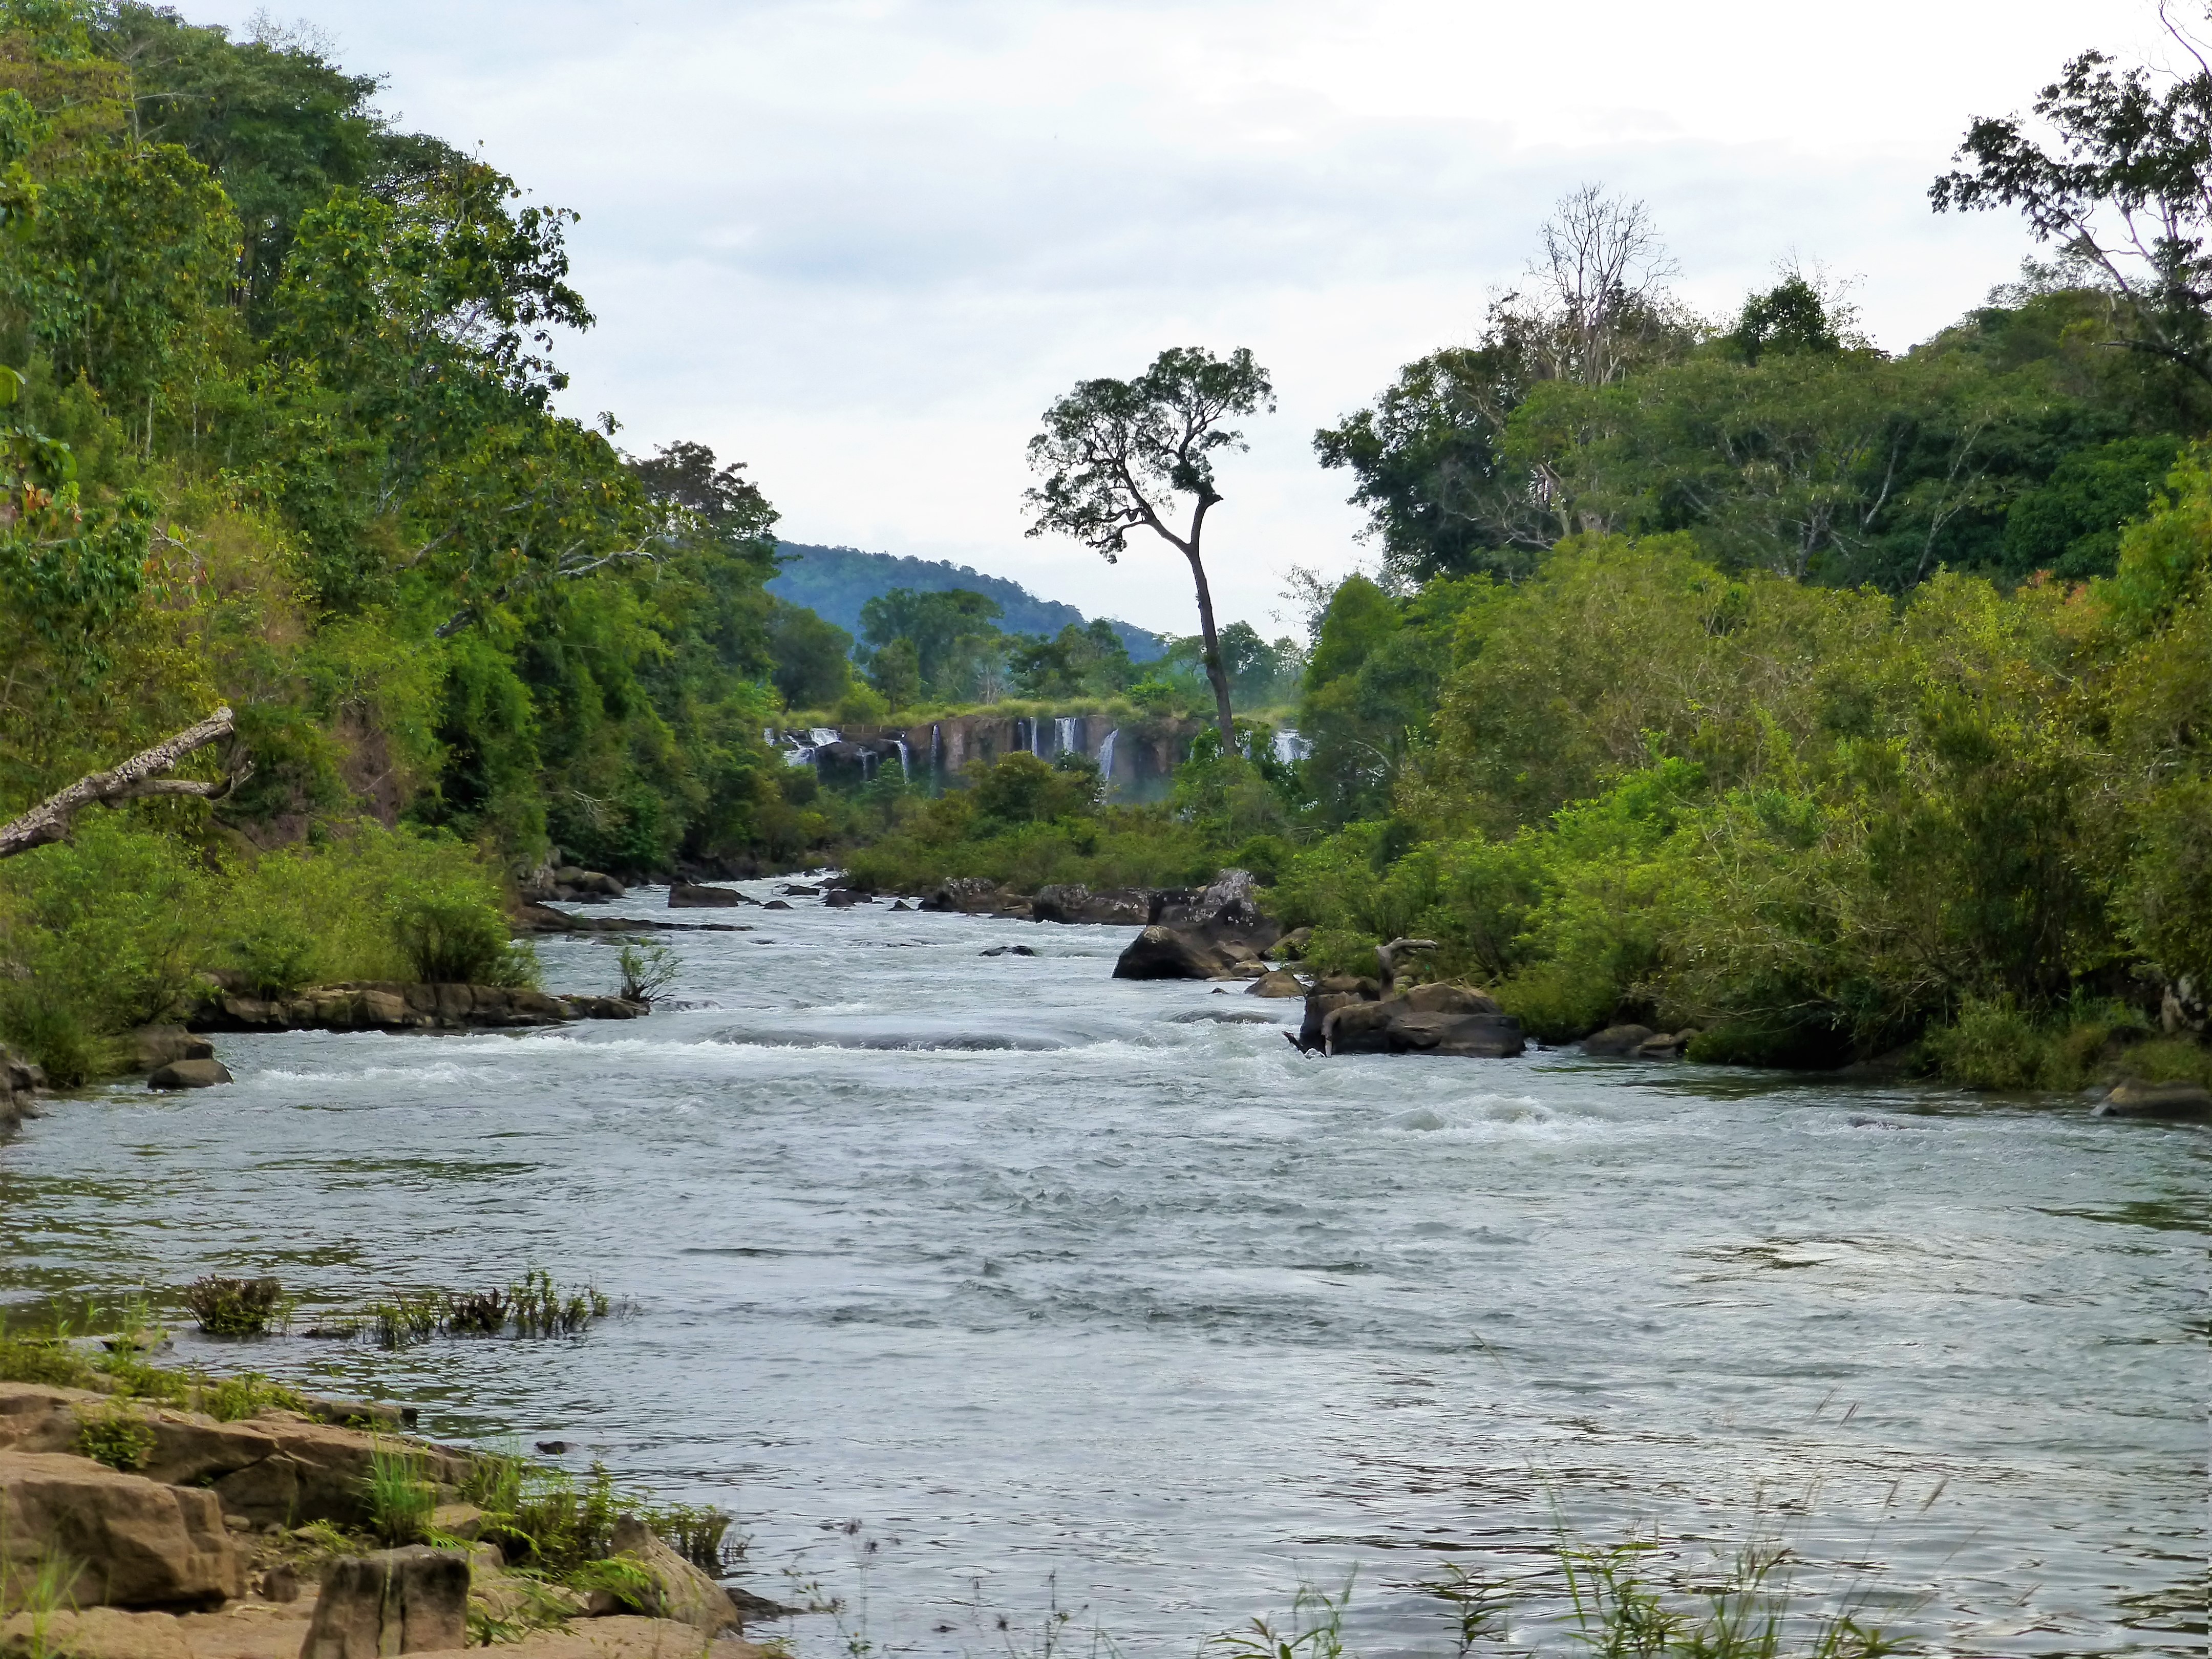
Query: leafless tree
column 1600, row 298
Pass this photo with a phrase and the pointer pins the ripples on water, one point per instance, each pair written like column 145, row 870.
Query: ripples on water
column 1064, row 1286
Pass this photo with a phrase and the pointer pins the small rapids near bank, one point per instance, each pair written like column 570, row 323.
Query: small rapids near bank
column 1066, row 1287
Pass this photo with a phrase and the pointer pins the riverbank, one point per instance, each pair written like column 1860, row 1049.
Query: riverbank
column 1048, row 1278
column 157, row 1513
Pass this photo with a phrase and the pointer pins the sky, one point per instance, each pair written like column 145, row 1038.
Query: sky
column 861, row 245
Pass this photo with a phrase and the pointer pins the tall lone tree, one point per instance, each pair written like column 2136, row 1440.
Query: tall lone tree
column 1116, row 455
column 2125, row 189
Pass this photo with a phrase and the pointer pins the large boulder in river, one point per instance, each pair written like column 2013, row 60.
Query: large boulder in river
column 189, row 1075
column 1280, row 983
column 1071, row 902
column 1396, row 1027
column 153, row 1046
column 1618, row 1042
column 1344, row 1016
column 140, row 1543
column 977, row 895
column 1179, row 953
column 690, row 895
column 572, row 884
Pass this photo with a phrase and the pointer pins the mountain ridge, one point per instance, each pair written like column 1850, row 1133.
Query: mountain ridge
column 835, row 582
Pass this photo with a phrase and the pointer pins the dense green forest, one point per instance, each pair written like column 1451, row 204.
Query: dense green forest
column 1723, row 671
column 281, row 436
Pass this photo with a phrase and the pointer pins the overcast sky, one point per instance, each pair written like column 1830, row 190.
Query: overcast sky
column 861, row 246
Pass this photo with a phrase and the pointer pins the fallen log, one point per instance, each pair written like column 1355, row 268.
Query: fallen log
column 136, row 779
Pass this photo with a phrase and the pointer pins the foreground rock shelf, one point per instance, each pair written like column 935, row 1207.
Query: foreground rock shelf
column 194, row 1553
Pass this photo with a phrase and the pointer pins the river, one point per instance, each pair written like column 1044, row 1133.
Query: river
column 1061, row 1289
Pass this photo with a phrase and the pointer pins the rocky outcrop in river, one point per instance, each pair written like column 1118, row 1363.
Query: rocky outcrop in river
column 389, row 1005
column 1351, row 1017
column 1218, row 932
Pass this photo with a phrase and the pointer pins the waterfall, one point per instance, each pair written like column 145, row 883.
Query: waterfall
column 905, row 773
column 936, row 753
column 868, row 759
column 799, row 755
column 1289, row 746
column 1063, row 735
column 1106, row 758
column 822, row 735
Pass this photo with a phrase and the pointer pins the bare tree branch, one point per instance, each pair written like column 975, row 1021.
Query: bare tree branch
column 565, row 564
column 136, row 779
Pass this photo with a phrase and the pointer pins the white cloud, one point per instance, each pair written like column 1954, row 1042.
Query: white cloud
column 861, row 244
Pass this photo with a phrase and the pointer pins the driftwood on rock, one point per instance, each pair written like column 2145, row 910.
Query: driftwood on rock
column 136, row 779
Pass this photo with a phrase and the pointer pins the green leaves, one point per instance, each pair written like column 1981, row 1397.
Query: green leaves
column 1113, row 455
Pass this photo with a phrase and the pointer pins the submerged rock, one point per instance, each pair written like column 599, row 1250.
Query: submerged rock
column 190, row 1074
column 844, row 898
column 777, row 904
column 1007, row 950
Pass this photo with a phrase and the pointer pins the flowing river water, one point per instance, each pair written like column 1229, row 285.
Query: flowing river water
column 1062, row 1289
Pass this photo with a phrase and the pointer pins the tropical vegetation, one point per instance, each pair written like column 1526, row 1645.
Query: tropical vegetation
column 1724, row 673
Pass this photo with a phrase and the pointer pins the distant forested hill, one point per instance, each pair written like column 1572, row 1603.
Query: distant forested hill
column 835, row 582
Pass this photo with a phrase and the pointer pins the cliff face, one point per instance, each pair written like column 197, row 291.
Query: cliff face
column 1138, row 758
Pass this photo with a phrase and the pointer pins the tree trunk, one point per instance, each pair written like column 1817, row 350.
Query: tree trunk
column 134, row 780
column 1223, row 715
